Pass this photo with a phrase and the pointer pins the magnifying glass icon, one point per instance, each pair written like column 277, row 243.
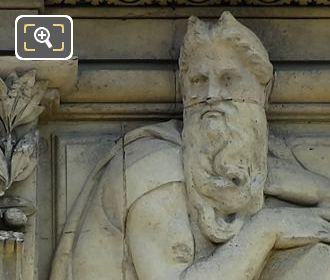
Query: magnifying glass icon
column 41, row 35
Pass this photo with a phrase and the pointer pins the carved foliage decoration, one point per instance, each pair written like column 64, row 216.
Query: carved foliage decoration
column 20, row 98
column 19, row 110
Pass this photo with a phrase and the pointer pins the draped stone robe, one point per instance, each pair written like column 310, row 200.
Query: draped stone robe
column 93, row 244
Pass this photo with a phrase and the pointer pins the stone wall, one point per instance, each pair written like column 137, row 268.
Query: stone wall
column 125, row 75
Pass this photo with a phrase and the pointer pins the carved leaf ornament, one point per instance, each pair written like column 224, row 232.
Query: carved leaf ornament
column 19, row 110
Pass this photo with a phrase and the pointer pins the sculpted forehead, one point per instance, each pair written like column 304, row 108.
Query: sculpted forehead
column 219, row 56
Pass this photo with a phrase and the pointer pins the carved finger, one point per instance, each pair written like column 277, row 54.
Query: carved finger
column 324, row 213
column 324, row 233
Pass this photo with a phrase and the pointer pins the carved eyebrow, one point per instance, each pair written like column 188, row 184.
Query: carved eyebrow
column 198, row 76
column 228, row 71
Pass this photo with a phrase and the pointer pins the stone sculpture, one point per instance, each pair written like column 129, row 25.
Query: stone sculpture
column 224, row 201
column 20, row 98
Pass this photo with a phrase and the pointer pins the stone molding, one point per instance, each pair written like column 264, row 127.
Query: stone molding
column 59, row 74
column 298, row 94
column 163, row 111
column 190, row 2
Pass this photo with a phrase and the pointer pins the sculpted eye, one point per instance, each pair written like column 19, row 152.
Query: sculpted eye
column 229, row 78
column 212, row 114
column 198, row 79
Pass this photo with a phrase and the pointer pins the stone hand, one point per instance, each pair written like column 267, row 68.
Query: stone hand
column 295, row 184
column 297, row 226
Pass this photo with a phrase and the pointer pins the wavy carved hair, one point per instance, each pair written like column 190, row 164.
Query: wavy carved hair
column 229, row 30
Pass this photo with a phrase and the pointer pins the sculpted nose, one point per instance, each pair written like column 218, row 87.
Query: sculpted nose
column 216, row 91
column 213, row 91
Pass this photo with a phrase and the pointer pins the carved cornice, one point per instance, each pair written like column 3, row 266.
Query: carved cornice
column 189, row 2
column 98, row 95
column 163, row 111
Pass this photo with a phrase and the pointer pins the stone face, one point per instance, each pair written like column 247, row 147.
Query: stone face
column 225, row 194
column 166, row 203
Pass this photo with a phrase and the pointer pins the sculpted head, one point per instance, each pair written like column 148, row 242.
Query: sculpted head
column 225, row 76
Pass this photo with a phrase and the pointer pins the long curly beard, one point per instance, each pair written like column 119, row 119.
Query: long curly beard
column 214, row 226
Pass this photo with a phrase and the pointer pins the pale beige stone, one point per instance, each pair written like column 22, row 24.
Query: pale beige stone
column 143, row 86
column 307, row 85
column 287, row 265
column 123, row 86
column 127, row 40
column 7, row 26
column 62, row 75
column 165, row 206
column 20, row 98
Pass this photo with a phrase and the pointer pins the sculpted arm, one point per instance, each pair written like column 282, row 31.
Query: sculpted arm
column 295, row 184
column 239, row 259
column 161, row 244
column 158, row 234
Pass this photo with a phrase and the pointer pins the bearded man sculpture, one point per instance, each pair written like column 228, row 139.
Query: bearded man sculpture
column 167, row 207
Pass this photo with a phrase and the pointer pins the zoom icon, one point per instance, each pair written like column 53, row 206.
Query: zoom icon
column 39, row 35
column 43, row 37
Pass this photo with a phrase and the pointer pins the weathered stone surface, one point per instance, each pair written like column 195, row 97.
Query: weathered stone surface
column 287, row 265
column 186, row 11
column 170, row 204
column 7, row 27
column 124, row 86
column 305, row 84
column 300, row 94
column 20, row 97
column 21, row 4
column 285, row 39
column 187, row 2
column 140, row 219
column 62, row 75
column 11, row 250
